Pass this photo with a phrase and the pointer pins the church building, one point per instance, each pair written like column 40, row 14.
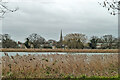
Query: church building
column 61, row 37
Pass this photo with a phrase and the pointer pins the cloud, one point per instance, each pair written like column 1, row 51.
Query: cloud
column 47, row 18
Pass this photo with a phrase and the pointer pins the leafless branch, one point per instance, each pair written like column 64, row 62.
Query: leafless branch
column 113, row 6
column 4, row 9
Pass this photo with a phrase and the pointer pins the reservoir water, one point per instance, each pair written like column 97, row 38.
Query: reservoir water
column 40, row 53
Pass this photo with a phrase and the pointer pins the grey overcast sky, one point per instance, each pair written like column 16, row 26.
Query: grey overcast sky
column 48, row 17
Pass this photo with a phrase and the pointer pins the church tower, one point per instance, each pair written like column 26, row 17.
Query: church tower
column 61, row 38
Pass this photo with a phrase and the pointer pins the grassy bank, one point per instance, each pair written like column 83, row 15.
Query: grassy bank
column 63, row 50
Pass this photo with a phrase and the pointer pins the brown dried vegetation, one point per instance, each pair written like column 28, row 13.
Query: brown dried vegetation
column 59, row 65
column 62, row 50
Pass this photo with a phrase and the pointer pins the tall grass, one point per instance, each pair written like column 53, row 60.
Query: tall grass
column 0, row 66
column 59, row 65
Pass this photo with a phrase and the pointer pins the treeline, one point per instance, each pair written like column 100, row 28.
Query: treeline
column 70, row 41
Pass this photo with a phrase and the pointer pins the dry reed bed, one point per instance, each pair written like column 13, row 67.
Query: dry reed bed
column 63, row 50
column 59, row 65
column 0, row 67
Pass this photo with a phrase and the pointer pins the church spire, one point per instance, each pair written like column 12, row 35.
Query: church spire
column 61, row 38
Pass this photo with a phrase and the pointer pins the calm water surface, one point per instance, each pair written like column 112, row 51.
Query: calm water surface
column 36, row 53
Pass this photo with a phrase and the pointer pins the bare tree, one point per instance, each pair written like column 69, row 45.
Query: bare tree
column 4, row 8
column 75, row 40
column 108, row 41
column 7, row 42
column 113, row 6
column 36, row 40
column 76, row 36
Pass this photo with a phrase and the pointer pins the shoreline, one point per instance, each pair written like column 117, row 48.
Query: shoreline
column 63, row 50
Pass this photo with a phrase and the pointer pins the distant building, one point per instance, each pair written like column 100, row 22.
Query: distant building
column 50, row 44
column 99, row 45
column 21, row 45
column 104, row 45
column 61, row 37
column 60, row 42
